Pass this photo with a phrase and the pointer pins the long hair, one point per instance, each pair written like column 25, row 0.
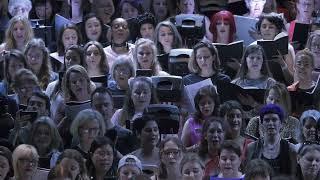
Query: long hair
column 103, row 36
column 4, row 8
column 225, row 16
column 60, row 47
column 104, row 66
column 9, row 39
column 44, row 73
column 177, row 40
column 244, row 65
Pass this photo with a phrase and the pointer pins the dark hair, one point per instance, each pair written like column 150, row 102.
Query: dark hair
column 227, row 106
column 60, row 47
column 134, row 3
column 271, row 109
column 59, row 172
column 283, row 92
column 190, row 157
column 104, row 66
column 79, row 50
column 203, row 148
column 146, row 18
column 244, row 66
column 102, row 90
column 210, row 91
column 230, row 146
column 193, row 64
column 140, row 123
column 5, row 152
column 257, row 167
column 98, row 142
column 42, row 96
column 274, row 18
column 18, row 55
column 163, row 171
column 103, row 37
column 43, row 3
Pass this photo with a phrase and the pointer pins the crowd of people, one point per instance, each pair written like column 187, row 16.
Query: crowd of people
column 79, row 102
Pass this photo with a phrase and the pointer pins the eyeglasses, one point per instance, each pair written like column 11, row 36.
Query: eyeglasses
column 26, row 161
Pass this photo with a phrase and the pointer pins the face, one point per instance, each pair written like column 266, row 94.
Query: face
column 273, row 97
column 122, row 75
column 42, row 138
column 160, row 8
column 44, row 11
column 38, row 104
column 204, row 59
column 171, row 154
column 128, row 171
column 69, row 37
column 35, row 59
column 254, row 61
column 27, row 166
column 192, row 171
column 223, row 29
column 215, row 134
column 234, row 118
column 102, row 158
column 271, row 124
column 315, row 46
column 93, row 57
column 89, row 131
column 4, row 167
column 78, row 85
column 150, row 133
column 13, row 66
column 309, row 129
column 165, row 36
column 104, row 10
column 141, row 94
column 128, row 11
column 186, row 6
column 145, row 56
column 206, row 106
column 72, row 166
column 310, row 163
column 102, row 102
column 256, row 7
column 120, row 30
column 305, row 8
column 229, row 162
column 147, row 31
column 71, row 58
column 20, row 10
column 26, row 89
column 268, row 30
column 303, row 67
column 93, row 29
column 19, row 32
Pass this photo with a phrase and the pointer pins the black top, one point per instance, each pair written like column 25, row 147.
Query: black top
column 194, row 78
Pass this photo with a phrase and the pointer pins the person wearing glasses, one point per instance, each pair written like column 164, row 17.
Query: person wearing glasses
column 25, row 162
column 87, row 125
column 171, row 151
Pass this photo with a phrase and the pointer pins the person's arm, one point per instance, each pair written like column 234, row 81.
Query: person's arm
column 185, row 135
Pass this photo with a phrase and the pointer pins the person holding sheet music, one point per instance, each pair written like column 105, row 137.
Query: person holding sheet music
column 313, row 44
column 305, row 10
column 167, row 37
column 269, row 26
column 206, row 105
column 279, row 95
column 254, row 70
column 204, row 64
column 119, row 40
column 95, row 59
column 145, row 57
column 37, row 56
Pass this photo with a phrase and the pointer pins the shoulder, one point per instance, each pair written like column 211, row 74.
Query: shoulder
column 50, row 87
column 223, row 77
column 190, row 79
column 236, row 80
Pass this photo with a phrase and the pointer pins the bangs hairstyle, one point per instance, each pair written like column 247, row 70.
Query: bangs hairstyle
column 155, row 66
column 56, row 140
column 206, row 91
column 24, row 76
column 285, row 97
column 124, row 61
column 9, row 39
column 79, row 50
column 60, row 46
column 225, row 16
column 193, row 64
column 190, row 157
column 68, row 94
column 104, row 67
column 244, row 67
column 177, row 40
column 23, row 151
column 273, row 18
column 17, row 56
column 306, row 53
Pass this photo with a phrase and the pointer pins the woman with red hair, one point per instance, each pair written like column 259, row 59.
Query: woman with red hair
column 223, row 27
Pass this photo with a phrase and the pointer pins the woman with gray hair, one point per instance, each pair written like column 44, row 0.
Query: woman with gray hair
column 19, row 7
column 87, row 125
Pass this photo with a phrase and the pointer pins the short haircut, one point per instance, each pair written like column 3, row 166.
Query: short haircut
column 271, row 109
column 227, row 106
column 273, row 18
column 230, row 146
column 43, row 96
column 102, row 90
column 306, row 53
column 123, row 60
column 24, row 76
column 257, row 167
column 190, row 157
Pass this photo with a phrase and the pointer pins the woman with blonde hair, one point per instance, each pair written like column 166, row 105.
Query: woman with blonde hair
column 37, row 57
column 25, row 162
column 145, row 57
